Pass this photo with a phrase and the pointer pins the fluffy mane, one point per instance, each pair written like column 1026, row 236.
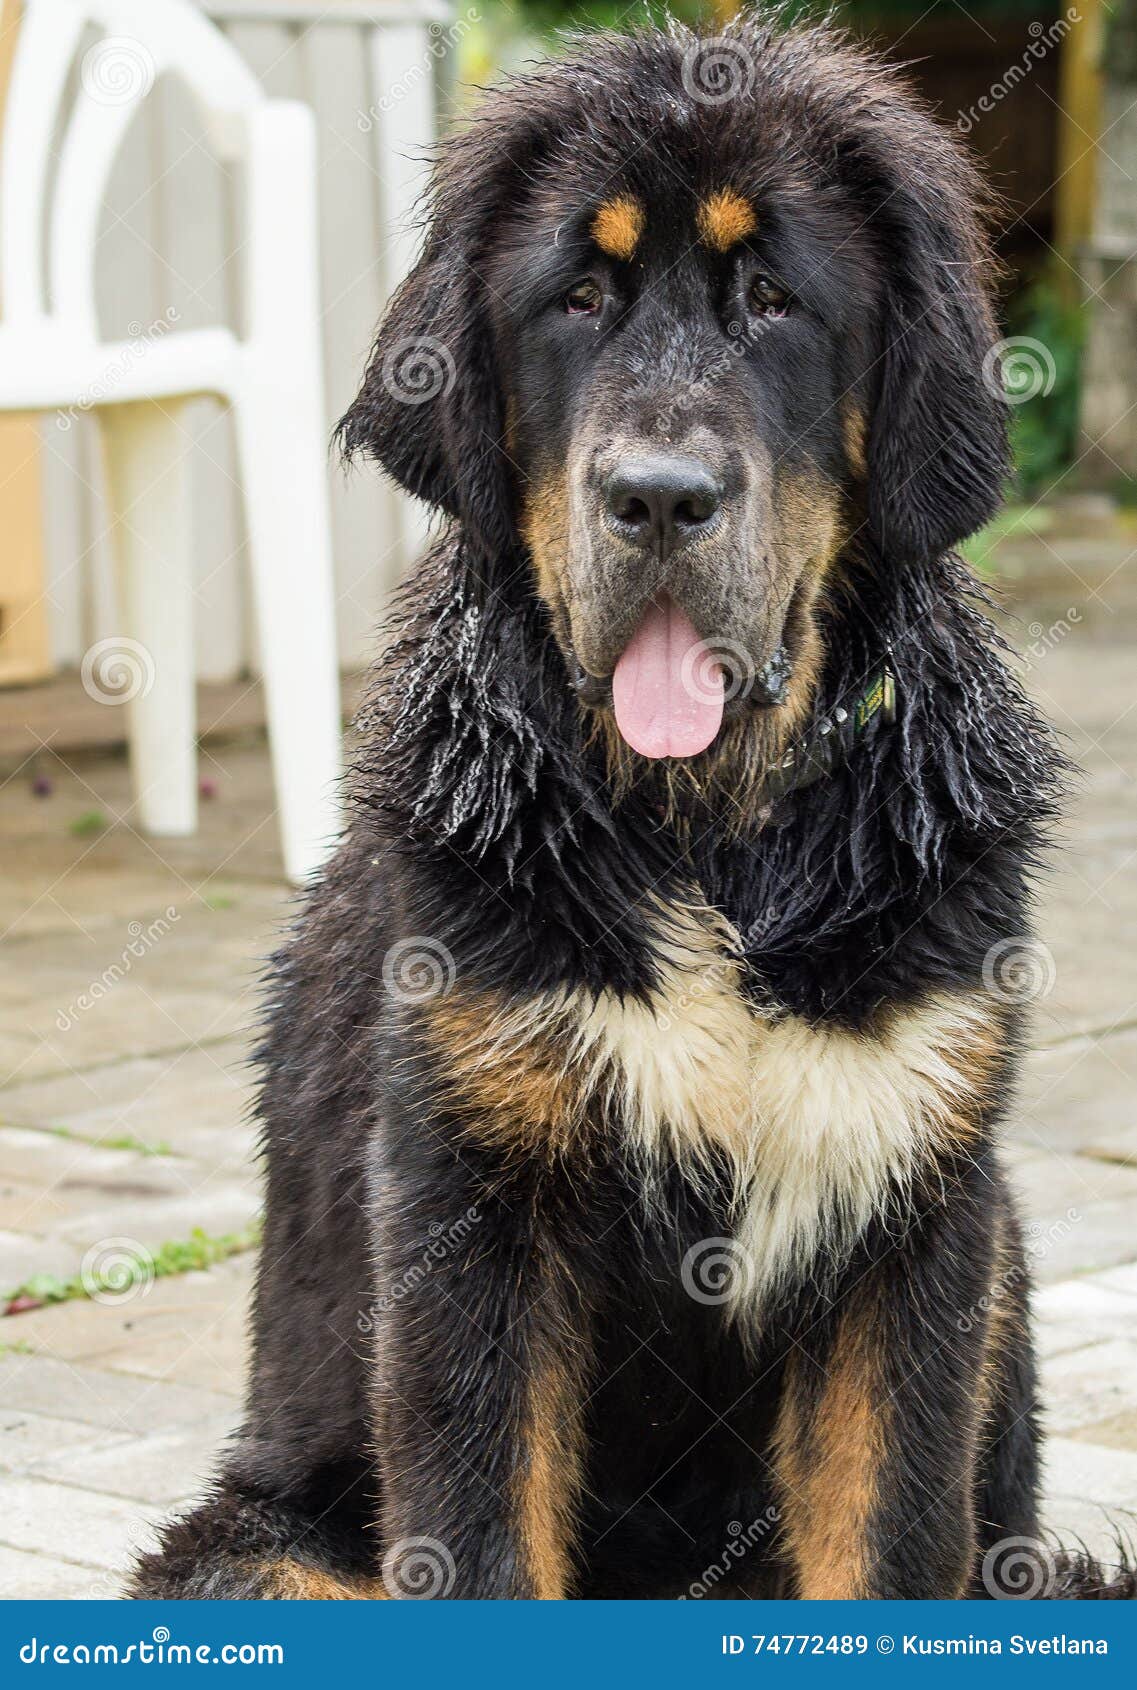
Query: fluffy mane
column 475, row 758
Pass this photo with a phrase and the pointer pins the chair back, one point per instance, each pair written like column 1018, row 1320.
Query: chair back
column 47, row 250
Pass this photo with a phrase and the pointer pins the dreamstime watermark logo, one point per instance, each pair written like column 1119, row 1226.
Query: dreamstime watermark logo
column 1019, row 369
column 440, row 44
column 143, row 1651
column 716, row 1270
column 444, row 1240
column 1043, row 639
column 1019, row 970
column 142, row 938
column 740, row 1541
column 118, row 70
column 140, row 339
column 1019, row 1569
column 417, row 1569
column 116, row 670
column 418, row 369
column 116, row 1270
column 417, row 969
column 721, row 670
column 1043, row 39
column 1037, row 1246
column 717, row 69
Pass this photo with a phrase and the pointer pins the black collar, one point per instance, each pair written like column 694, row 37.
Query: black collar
column 835, row 736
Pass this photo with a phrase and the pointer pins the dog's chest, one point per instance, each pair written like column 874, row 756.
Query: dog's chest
column 822, row 1127
column 819, row 1127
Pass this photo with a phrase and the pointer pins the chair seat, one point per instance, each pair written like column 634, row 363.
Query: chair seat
column 44, row 368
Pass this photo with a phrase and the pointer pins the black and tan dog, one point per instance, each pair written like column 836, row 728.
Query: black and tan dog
column 634, row 1070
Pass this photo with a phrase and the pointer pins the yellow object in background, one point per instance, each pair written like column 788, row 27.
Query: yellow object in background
column 25, row 653
column 1079, row 100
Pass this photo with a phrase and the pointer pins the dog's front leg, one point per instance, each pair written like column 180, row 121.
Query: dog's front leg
column 878, row 1428
column 481, row 1354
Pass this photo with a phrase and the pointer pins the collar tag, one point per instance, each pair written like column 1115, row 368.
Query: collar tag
column 880, row 695
column 835, row 738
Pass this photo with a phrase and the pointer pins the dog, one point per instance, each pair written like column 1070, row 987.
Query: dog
column 635, row 1222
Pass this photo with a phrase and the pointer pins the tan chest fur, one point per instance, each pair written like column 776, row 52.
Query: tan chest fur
column 818, row 1123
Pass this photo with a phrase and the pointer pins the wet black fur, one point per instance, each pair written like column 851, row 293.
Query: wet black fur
column 482, row 817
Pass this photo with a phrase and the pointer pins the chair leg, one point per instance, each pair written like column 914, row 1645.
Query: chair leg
column 147, row 486
column 283, row 470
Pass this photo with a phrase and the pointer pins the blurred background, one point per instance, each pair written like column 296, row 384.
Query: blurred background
column 128, row 1192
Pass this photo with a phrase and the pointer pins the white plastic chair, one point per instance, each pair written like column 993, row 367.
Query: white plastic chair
column 51, row 357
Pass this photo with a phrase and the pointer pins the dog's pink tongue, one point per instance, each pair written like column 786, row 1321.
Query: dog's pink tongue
column 667, row 689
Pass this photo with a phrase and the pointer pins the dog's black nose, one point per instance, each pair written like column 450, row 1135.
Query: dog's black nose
column 658, row 503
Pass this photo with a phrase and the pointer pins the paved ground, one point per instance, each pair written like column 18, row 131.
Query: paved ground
column 128, row 999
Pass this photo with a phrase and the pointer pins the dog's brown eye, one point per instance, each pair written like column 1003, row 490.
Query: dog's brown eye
column 583, row 297
column 767, row 297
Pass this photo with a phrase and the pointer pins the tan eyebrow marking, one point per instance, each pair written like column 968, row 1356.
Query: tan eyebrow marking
column 618, row 225
column 725, row 218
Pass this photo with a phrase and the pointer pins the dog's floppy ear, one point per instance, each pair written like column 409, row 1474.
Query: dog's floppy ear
column 430, row 408
column 938, row 452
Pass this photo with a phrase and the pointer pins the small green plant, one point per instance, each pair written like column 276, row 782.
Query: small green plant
column 88, row 824
column 44, row 1288
column 127, row 1141
column 200, row 1251
column 121, row 1141
column 188, row 1255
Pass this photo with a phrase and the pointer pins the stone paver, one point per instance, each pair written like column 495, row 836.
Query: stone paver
column 1078, row 1095
column 43, row 1578
column 110, row 1411
column 159, row 1469
column 1095, row 1485
column 107, row 1529
column 101, row 1397
column 1076, row 1312
column 128, row 1004
column 194, row 1101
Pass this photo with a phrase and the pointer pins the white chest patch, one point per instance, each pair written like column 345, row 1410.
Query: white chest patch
column 819, row 1123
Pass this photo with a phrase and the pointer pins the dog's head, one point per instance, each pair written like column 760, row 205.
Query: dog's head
column 691, row 317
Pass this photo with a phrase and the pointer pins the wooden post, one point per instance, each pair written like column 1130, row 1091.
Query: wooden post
column 1079, row 124
column 1108, row 264
column 25, row 652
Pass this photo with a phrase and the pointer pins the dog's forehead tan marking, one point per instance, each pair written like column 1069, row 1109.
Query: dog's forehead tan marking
column 618, row 225
column 724, row 218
